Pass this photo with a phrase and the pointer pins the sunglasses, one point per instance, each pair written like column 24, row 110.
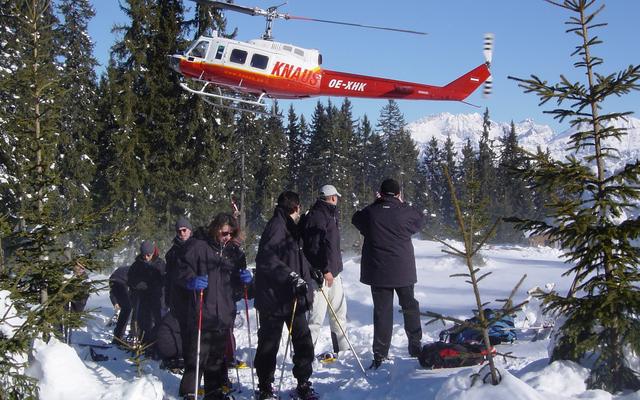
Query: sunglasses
column 227, row 233
column 182, row 230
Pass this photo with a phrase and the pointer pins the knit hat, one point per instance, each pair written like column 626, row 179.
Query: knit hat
column 147, row 247
column 183, row 222
column 390, row 187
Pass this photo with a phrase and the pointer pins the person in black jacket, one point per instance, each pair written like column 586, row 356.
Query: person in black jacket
column 226, row 233
column 281, row 286
column 177, row 297
column 146, row 284
column 119, row 295
column 205, row 272
column 322, row 247
column 388, row 264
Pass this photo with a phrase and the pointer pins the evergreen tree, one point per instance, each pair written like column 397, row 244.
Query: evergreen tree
column 296, row 150
column 513, row 195
column 590, row 214
column 486, row 171
column 432, row 185
column 272, row 166
column 77, row 144
column 400, row 149
column 473, row 204
column 447, row 209
column 318, row 152
column 37, row 270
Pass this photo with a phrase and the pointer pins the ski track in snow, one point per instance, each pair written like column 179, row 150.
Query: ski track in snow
column 401, row 377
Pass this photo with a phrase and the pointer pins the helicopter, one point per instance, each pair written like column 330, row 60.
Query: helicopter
column 245, row 73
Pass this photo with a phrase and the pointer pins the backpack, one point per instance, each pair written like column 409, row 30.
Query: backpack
column 500, row 331
column 451, row 355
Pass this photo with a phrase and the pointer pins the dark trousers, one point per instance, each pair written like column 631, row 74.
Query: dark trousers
column 147, row 315
column 120, row 293
column 383, row 318
column 212, row 345
column 269, row 336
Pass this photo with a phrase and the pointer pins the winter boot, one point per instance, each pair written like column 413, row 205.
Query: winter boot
column 306, row 392
column 415, row 349
column 377, row 361
column 266, row 393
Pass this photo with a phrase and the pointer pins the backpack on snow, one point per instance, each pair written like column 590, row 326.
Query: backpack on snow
column 500, row 331
column 451, row 355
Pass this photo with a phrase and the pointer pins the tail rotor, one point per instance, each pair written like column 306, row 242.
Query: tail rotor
column 488, row 54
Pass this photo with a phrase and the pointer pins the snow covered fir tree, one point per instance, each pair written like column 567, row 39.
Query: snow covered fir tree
column 592, row 213
column 90, row 167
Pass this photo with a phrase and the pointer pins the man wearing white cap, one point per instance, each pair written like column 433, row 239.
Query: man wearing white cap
column 321, row 236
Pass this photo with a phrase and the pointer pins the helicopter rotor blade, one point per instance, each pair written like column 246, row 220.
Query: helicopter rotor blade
column 287, row 16
column 488, row 55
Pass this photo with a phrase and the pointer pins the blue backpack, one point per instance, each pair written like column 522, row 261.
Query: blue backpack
column 500, row 331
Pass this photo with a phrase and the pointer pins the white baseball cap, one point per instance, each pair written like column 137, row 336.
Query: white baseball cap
column 329, row 190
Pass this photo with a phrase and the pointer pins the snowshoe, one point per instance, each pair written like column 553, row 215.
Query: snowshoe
column 239, row 364
column 327, row 357
column 304, row 391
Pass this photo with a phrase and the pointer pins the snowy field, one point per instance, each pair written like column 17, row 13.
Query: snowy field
column 69, row 373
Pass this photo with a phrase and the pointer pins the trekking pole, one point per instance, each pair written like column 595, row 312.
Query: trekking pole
column 68, row 331
column 333, row 313
column 197, row 379
column 246, row 312
column 232, row 342
column 286, row 349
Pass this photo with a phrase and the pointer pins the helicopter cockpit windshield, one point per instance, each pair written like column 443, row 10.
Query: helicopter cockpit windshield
column 199, row 50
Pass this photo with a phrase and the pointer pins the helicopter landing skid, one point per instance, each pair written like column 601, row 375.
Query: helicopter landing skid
column 236, row 102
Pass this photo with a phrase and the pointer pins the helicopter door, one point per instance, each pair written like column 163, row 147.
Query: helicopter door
column 199, row 51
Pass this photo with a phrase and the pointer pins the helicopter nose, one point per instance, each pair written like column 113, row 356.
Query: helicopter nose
column 174, row 62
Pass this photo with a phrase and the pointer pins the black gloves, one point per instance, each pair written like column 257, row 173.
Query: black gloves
column 298, row 284
column 317, row 276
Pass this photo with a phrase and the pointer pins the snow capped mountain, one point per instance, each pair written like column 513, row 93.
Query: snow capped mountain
column 461, row 127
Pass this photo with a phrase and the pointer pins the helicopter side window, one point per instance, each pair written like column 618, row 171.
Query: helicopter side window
column 219, row 52
column 259, row 61
column 298, row 52
column 200, row 50
column 238, row 56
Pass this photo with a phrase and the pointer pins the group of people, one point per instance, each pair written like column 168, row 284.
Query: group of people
column 298, row 273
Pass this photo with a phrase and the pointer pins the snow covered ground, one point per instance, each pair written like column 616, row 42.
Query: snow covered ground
column 68, row 372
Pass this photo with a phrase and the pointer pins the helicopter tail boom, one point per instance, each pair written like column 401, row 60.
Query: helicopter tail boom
column 336, row 83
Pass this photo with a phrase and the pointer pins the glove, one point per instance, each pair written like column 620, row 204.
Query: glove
column 298, row 284
column 245, row 276
column 198, row 283
column 141, row 286
column 317, row 276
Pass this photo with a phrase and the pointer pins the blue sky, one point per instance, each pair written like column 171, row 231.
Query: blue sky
column 530, row 39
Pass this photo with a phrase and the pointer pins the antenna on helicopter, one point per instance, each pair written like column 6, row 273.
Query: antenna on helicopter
column 271, row 14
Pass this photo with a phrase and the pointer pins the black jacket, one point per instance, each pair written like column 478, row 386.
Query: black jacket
column 280, row 253
column 233, row 253
column 322, row 238
column 148, row 278
column 387, row 253
column 177, row 297
column 118, row 277
column 219, row 309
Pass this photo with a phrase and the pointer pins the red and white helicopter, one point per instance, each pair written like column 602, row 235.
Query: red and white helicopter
column 263, row 68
